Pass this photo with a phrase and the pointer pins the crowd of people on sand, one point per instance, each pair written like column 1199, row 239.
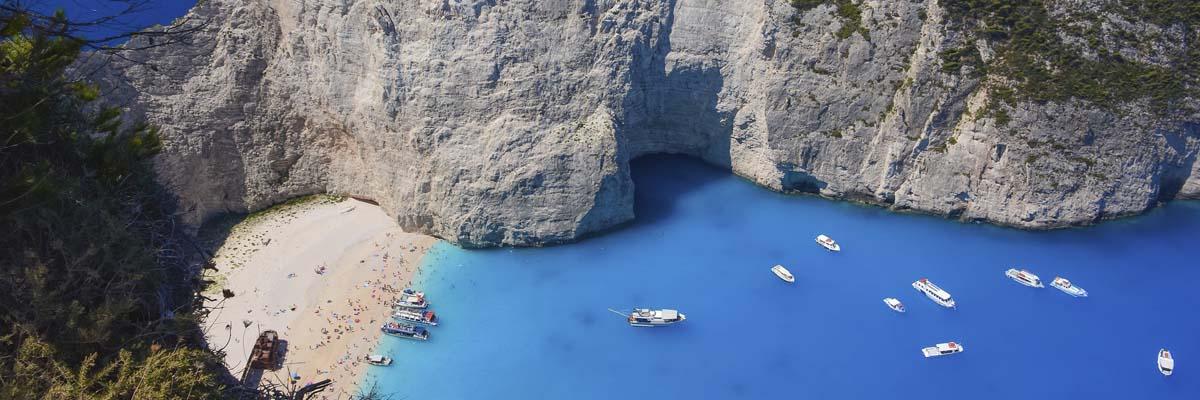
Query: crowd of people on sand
column 357, row 315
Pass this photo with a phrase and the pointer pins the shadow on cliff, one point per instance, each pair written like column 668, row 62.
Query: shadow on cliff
column 672, row 105
column 662, row 181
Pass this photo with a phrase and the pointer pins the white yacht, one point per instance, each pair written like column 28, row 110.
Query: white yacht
column 942, row 349
column 894, row 304
column 1166, row 363
column 933, row 292
column 828, row 243
column 651, row 318
column 1024, row 277
column 1067, row 287
column 783, row 273
column 379, row 360
column 419, row 316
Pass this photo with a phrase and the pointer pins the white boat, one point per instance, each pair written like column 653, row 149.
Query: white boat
column 406, row 331
column 1067, row 287
column 894, row 304
column 1024, row 277
column 419, row 316
column 828, row 243
column 935, row 293
column 942, row 349
column 783, row 273
column 645, row 317
column 1166, row 363
column 379, row 360
column 412, row 299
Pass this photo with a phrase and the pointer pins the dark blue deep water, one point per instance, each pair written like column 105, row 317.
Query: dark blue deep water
column 533, row 324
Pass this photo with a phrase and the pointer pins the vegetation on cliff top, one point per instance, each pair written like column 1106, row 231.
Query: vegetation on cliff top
column 1046, row 55
column 94, row 298
column 847, row 11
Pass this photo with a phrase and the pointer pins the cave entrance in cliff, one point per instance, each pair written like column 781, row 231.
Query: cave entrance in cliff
column 660, row 182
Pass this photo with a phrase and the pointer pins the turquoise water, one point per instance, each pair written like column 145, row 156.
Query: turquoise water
column 533, row 323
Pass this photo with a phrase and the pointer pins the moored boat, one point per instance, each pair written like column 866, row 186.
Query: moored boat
column 935, row 293
column 1166, row 363
column 1067, row 287
column 410, row 298
column 828, row 243
column 1024, row 277
column 942, row 349
column 783, row 273
column 379, row 360
column 646, row 317
column 405, row 331
column 894, row 304
column 419, row 316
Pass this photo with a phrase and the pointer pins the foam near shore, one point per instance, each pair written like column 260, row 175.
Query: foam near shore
column 321, row 274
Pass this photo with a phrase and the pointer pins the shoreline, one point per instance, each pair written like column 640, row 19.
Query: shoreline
column 320, row 273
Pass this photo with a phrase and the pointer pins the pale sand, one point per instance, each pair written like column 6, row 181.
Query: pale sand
column 363, row 250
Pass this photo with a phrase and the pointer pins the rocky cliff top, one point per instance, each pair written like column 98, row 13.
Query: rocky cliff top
column 513, row 122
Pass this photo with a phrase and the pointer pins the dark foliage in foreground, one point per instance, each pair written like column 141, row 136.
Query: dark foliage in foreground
column 95, row 298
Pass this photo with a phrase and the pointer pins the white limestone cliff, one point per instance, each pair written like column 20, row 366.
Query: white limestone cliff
column 490, row 122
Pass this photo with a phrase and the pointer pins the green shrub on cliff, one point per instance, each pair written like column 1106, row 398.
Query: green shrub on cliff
column 93, row 297
column 847, row 11
column 1079, row 55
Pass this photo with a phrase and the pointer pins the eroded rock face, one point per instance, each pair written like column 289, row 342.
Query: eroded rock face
column 513, row 122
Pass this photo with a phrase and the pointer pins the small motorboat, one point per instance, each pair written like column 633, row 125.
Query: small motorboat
column 828, row 243
column 1166, row 363
column 942, row 349
column 410, row 298
column 1024, row 277
column 894, row 304
column 783, row 273
column 1067, row 287
column 379, row 360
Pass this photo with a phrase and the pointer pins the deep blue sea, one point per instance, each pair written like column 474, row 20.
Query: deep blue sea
column 533, row 323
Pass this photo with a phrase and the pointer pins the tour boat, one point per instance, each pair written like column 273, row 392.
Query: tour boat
column 652, row 318
column 783, row 273
column 942, row 349
column 405, row 331
column 894, row 304
column 1166, row 363
column 412, row 299
column 1024, row 277
column 379, row 360
column 933, row 292
column 1067, row 287
column 421, row 317
column 828, row 243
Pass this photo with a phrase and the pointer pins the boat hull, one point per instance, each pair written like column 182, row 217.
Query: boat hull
column 897, row 307
column 940, row 302
column 656, row 324
column 1075, row 291
column 415, row 321
column 1166, row 365
column 930, row 352
column 783, row 274
column 409, row 337
column 1014, row 275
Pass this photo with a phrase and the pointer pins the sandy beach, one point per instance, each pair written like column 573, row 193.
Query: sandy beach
column 321, row 273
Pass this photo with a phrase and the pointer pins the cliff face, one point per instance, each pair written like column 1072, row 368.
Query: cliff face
column 513, row 122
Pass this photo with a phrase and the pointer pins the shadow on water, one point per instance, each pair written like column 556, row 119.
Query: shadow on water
column 662, row 181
